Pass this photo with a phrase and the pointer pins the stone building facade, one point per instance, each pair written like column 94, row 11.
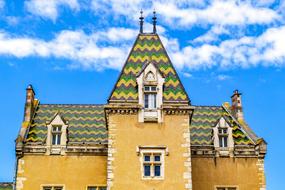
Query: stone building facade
column 149, row 136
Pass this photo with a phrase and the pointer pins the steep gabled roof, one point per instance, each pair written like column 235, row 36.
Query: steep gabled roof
column 148, row 47
column 86, row 123
column 205, row 118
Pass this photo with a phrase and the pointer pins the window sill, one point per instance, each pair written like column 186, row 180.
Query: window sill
column 153, row 178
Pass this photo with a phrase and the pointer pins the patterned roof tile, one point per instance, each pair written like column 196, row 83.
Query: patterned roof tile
column 148, row 47
column 86, row 123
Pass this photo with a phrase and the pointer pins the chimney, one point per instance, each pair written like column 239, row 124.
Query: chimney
column 237, row 105
column 29, row 105
column 28, row 113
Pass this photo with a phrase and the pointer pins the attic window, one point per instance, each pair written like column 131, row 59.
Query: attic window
column 150, row 97
column 56, row 134
column 223, row 137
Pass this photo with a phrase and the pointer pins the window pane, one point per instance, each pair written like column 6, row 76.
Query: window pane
column 225, row 131
column 146, row 170
column 221, row 141
column 46, row 188
column 157, row 170
column 157, row 158
column 57, row 188
column 221, row 188
column 146, row 88
column 54, row 136
column 147, row 158
column 102, row 188
column 152, row 101
column 232, row 188
column 58, row 139
column 146, row 100
column 225, row 141
column 153, row 88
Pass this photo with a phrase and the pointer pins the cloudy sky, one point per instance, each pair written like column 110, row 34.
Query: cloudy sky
column 67, row 48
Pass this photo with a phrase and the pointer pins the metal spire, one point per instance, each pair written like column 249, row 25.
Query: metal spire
column 154, row 21
column 141, row 22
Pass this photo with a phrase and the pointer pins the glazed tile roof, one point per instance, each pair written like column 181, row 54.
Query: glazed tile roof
column 86, row 123
column 148, row 47
column 206, row 117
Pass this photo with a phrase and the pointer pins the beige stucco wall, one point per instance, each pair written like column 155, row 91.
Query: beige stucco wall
column 74, row 172
column 245, row 173
column 126, row 134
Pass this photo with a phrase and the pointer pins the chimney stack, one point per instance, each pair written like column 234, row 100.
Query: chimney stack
column 29, row 105
column 236, row 108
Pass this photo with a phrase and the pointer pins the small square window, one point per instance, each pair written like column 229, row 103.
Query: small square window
column 147, row 158
column 157, row 158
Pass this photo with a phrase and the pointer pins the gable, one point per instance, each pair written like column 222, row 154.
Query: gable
column 205, row 118
column 148, row 47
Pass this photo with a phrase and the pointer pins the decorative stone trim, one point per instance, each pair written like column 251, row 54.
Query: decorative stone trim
column 42, row 149
column 261, row 174
column 111, row 152
column 187, row 175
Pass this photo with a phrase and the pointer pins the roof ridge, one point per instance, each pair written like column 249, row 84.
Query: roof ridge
column 75, row 104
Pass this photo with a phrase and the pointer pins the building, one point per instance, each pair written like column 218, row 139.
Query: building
column 149, row 136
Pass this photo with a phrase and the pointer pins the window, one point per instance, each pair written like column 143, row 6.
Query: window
column 56, row 135
column 152, row 165
column 96, row 188
column 223, row 137
column 226, row 188
column 52, row 188
column 150, row 97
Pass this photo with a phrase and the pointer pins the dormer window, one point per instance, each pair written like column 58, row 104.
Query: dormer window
column 223, row 137
column 150, row 93
column 56, row 134
column 150, row 97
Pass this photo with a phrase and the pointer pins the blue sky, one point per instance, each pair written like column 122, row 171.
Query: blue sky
column 72, row 52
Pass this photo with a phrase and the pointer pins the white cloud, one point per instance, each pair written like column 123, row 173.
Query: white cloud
column 86, row 51
column 49, row 8
column 267, row 49
column 218, row 12
column 188, row 12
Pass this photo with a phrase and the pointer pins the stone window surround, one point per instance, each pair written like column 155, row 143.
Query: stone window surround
column 153, row 115
column 161, row 150
column 56, row 149
column 52, row 186
column 223, row 151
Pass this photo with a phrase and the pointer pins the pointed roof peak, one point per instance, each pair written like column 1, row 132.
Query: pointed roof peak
column 148, row 47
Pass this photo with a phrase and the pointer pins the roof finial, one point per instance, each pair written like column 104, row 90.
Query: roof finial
column 154, row 21
column 141, row 22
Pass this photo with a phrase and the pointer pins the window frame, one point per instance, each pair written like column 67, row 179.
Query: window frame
column 56, row 133
column 147, row 91
column 97, row 186
column 161, row 151
column 223, row 135
column 52, row 186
